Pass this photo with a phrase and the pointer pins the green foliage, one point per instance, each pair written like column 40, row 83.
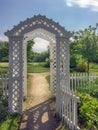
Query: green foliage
column 30, row 52
column 3, row 112
column 3, row 107
column 48, row 79
column 91, row 88
column 88, row 112
column 88, row 107
column 84, row 47
column 7, row 121
column 4, row 51
column 41, row 57
column 82, row 67
column 11, row 123
column 47, row 63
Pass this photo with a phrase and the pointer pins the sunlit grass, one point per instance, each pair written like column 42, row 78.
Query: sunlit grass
column 37, row 68
column 11, row 123
column 3, row 67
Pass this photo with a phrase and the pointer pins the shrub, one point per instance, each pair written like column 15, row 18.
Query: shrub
column 47, row 63
column 90, row 88
column 88, row 112
column 82, row 67
column 3, row 112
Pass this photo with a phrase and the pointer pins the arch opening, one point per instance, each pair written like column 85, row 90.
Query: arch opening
column 49, row 38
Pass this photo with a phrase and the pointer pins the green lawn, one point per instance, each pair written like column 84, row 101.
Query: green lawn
column 31, row 67
column 36, row 68
column 3, row 67
column 94, row 68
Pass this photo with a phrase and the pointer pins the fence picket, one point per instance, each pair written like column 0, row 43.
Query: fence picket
column 81, row 79
column 4, row 85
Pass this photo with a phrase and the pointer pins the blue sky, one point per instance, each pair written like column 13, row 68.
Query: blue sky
column 72, row 14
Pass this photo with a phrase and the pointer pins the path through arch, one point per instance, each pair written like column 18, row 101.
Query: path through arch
column 38, row 90
column 38, row 108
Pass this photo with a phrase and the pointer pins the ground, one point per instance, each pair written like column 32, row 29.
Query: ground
column 38, row 108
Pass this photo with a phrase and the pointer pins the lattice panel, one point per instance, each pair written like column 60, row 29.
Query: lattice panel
column 53, row 69
column 63, row 65
column 63, row 77
column 15, row 95
column 15, row 75
column 25, row 70
column 16, row 62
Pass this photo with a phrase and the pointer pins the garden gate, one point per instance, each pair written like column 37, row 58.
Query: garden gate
column 58, row 37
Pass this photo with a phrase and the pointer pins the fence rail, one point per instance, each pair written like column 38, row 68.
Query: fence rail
column 81, row 79
column 4, row 85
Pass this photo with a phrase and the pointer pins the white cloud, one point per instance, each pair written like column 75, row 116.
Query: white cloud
column 40, row 45
column 92, row 4
column 3, row 38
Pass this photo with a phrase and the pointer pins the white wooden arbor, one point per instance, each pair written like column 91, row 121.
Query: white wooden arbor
column 58, row 37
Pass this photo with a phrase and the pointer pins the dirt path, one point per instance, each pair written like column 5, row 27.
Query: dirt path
column 38, row 108
column 38, row 90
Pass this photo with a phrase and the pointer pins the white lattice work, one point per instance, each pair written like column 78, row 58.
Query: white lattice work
column 53, row 68
column 15, row 74
column 58, row 37
column 62, row 70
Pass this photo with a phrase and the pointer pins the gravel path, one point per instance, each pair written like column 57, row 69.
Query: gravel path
column 38, row 108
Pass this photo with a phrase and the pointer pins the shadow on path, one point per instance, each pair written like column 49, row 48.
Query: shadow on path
column 40, row 117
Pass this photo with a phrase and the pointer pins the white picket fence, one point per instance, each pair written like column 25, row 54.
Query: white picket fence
column 4, row 85
column 69, row 109
column 70, row 99
column 81, row 79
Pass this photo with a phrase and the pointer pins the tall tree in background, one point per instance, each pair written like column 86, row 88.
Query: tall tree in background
column 86, row 44
column 4, row 51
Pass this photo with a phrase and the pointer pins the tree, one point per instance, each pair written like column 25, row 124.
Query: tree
column 4, row 51
column 30, row 52
column 86, row 45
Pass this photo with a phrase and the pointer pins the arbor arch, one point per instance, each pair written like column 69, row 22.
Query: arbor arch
column 38, row 26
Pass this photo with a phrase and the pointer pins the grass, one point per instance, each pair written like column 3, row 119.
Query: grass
column 31, row 67
column 36, row 68
column 11, row 123
column 3, row 67
column 94, row 68
column 48, row 79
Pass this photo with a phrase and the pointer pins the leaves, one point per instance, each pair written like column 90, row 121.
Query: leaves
column 84, row 47
column 88, row 111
